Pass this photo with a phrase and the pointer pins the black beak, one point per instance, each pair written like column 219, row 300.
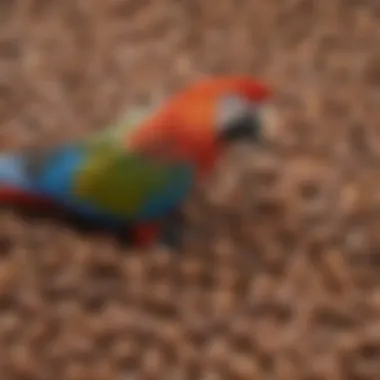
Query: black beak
column 244, row 129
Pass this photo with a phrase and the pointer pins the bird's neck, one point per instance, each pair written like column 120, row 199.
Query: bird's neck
column 158, row 138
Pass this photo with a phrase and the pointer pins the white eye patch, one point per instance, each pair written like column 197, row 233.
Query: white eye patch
column 231, row 110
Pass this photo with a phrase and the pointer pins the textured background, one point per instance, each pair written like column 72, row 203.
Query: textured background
column 282, row 280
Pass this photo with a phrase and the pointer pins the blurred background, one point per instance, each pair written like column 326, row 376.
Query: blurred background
column 279, row 277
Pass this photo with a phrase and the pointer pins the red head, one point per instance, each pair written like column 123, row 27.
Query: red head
column 196, row 124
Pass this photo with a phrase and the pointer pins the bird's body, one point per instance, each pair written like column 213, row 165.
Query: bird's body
column 112, row 189
column 136, row 174
column 97, row 180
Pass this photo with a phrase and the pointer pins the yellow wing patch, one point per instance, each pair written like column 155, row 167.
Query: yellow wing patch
column 118, row 183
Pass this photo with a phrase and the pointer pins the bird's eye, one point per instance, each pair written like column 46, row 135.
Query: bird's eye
column 237, row 118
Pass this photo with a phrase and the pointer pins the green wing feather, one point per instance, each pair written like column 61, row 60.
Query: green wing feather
column 118, row 182
column 115, row 180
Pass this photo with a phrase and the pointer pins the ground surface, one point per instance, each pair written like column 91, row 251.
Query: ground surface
column 285, row 284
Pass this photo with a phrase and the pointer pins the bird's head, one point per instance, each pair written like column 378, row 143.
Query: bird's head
column 198, row 123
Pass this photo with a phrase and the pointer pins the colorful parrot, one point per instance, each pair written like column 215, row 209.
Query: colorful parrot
column 136, row 177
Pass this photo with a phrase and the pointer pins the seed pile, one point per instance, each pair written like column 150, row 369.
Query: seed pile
column 279, row 277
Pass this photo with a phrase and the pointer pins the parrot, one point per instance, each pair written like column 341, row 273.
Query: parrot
column 135, row 177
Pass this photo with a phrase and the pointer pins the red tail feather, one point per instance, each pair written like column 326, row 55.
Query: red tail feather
column 15, row 197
